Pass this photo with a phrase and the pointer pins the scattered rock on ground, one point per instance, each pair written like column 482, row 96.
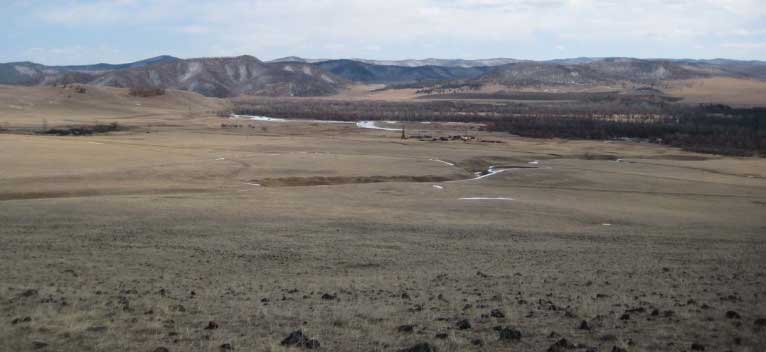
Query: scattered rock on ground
column 421, row 347
column 509, row 334
column 733, row 315
column 463, row 324
column 497, row 313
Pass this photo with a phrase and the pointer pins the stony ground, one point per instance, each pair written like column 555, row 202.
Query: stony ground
column 161, row 241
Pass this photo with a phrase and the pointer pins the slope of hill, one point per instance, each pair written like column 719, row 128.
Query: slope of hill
column 603, row 71
column 216, row 77
column 370, row 73
column 29, row 73
column 227, row 77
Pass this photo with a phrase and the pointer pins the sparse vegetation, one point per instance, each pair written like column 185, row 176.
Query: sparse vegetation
column 146, row 92
column 83, row 130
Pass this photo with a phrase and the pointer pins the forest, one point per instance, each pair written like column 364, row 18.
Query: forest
column 716, row 129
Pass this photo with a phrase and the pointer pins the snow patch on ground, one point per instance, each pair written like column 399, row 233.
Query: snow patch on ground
column 371, row 125
column 491, row 171
column 438, row 187
column 258, row 118
column 219, row 159
column 535, row 162
column 442, row 161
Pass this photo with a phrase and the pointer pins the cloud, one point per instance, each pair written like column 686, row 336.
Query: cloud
column 458, row 28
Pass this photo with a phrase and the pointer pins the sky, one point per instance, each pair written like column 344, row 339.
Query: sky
column 65, row 32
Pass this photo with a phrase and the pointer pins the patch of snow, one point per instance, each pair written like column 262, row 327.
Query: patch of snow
column 289, row 68
column 606, row 224
column 259, row 118
column 94, row 143
column 327, row 79
column 373, row 126
column 219, row 159
column 307, row 70
column 438, row 187
column 25, row 70
column 491, row 171
column 442, row 161
column 535, row 162
column 253, row 184
column 193, row 69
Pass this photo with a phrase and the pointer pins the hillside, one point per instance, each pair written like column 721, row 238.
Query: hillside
column 227, row 77
column 215, row 77
column 371, row 73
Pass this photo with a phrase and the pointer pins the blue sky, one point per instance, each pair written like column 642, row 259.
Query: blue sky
column 89, row 31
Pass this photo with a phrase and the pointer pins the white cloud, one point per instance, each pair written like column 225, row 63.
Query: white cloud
column 345, row 27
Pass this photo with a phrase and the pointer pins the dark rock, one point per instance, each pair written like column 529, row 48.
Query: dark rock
column 481, row 274
column 421, row 347
column 477, row 342
column 311, row 344
column 497, row 313
column 161, row 349
column 733, row 315
column 509, row 334
column 405, row 295
column 697, row 347
column 584, row 325
column 405, row 328
column 561, row 345
column 21, row 320
column 618, row 349
column 625, row 317
column 463, row 324
column 441, row 335
column 39, row 344
column 211, row 325
column 227, row 347
column 28, row 293
column 295, row 338
column 329, row 297
column 668, row 313
column 760, row 322
column 655, row 312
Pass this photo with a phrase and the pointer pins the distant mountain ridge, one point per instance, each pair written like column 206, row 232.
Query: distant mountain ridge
column 216, row 77
column 295, row 76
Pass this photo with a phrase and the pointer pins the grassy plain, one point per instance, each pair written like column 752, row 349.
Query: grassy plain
column 136, row 241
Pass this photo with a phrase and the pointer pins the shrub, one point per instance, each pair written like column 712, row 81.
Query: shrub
column 146, row 92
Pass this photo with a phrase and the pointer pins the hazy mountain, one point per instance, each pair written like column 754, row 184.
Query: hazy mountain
column 443, row 62
column 357, row 71
column 594, row 71
column 227, row 77
column 294, row 76
column 297, row 59
column 111, row 67
column 29, row 73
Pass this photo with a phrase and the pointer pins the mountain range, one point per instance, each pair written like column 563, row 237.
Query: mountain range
column 295, row 76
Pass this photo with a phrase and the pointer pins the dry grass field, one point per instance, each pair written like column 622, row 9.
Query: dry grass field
column 180, row 235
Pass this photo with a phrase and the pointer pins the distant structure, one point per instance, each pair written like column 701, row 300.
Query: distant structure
column 404, row 136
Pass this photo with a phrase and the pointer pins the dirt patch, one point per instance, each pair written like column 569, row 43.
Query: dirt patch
column 343, row 180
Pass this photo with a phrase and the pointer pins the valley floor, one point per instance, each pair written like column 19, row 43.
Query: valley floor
column 195, row 237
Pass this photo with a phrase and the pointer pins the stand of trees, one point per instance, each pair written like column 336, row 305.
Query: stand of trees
column 711, row 129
